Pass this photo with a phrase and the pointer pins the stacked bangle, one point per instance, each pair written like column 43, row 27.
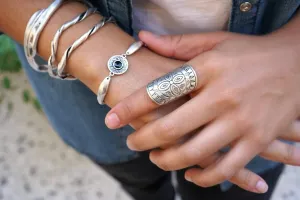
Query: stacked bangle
column 35, row 27
column 52, row 70
column 117, row 65
column 33, row 30
column 62, row 64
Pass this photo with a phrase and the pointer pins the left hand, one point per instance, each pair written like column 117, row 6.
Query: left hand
column 247, row 97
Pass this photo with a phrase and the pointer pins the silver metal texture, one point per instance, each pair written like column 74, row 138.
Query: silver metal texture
column 117, row 65
column 34, row 28
column 102, row 91
column 28, row 39
column 134, row 47
column 33, row 31
column 52, row 70
column 62, row 64
column 172, row 85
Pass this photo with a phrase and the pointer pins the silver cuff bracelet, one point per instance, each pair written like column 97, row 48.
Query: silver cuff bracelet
column 35, row 27
column 33, row 30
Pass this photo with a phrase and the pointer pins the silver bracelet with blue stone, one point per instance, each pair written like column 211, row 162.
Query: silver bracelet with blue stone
column 117, row 65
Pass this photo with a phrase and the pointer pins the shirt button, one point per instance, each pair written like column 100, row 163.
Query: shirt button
column 245, row 7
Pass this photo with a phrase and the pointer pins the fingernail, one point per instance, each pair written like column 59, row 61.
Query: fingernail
column 130, row 145
column 261, row 187
column 112, row 121
column 188, row 178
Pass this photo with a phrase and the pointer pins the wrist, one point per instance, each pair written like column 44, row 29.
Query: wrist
column 289, row 34
column 89, row 62
column 144, row 66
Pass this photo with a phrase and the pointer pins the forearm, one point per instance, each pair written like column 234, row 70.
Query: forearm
column 88, row 62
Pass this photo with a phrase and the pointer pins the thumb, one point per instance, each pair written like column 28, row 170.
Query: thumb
column 183, row 47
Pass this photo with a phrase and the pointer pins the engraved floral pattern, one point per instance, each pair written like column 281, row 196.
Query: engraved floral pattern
column 173, row 85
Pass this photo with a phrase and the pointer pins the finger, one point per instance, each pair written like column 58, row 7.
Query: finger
column 182, row 47
column 294, row 133
column 136, row 106
column 137, row 124
column 206, row 142
column 177, row 124
column 235, row 160
column 282, row 152
column 163, row 110
column 139, row 103
column 244, row 178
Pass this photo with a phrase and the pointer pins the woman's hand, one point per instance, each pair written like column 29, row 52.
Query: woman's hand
column 247, row 97
column 88, row 62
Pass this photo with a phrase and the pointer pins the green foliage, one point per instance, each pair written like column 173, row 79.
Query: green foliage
column 37, row 105
column 6, row 83
column 26, row 96
column 9, row 61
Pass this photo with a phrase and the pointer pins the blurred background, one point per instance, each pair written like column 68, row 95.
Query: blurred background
column 36, row 165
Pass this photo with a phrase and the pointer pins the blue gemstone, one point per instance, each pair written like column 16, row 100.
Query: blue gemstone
column 118, row 64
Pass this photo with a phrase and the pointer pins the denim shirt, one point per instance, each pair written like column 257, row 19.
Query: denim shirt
column 263, row 17
column 260, row 17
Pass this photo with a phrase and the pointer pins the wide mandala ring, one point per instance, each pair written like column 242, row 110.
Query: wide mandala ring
column 173, row 85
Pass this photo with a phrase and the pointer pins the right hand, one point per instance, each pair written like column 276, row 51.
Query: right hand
column 144, row 67
column 126, row 110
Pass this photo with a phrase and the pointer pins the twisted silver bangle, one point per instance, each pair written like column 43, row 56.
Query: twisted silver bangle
column 62, row 64
column 33, row 30
column 52, row 70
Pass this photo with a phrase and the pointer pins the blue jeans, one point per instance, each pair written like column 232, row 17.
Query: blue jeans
column 76, row 116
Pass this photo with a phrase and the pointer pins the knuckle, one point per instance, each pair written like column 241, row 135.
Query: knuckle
column 225, row 174
column 191, row 154
column 289, row 155
column 126, row 109
column 249, row 179
column 260, row 140
column 165, row 131
column 175, row 43
column 230, row 98
column 213, row 65
column 245, row 123
column 222, row 175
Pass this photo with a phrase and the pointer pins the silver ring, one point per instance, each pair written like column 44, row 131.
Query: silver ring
column 173, row 85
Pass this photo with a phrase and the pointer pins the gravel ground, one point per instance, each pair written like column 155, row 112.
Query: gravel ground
column 36, row 165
